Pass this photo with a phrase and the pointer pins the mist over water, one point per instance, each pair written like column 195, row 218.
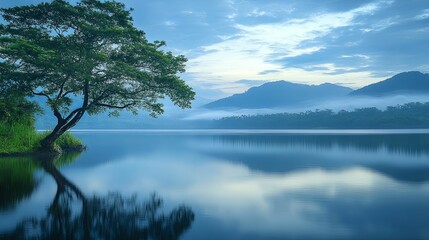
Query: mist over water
column 348, row 103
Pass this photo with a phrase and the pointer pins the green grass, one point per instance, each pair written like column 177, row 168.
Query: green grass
column 21, row 138
column 65, row 141
column 17, row 138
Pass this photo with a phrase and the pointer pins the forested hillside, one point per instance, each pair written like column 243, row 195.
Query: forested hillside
column 411, row 115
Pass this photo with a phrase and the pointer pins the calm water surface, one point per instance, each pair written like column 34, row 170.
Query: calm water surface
column 223, row 185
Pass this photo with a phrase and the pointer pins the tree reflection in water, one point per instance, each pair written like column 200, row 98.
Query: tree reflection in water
column 16, row 181
column 72, row 215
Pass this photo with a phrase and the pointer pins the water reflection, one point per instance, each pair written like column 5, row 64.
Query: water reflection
column 408, row 144
column 403, row 157
column 243, row 203
column 72, row 215
column 16, row 181
column 250, row 186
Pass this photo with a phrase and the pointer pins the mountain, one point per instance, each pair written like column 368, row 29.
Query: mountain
column 280, row 94
column 402, row 83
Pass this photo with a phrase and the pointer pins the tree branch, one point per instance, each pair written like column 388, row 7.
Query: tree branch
column 41, row 94
column 114, row 106
column 67, row 92
column 58, row 115
column 74, row 112
column 78, row 115
column 61, row 90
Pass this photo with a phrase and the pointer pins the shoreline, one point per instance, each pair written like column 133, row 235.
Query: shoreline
column 77, row 149
column 253, row 131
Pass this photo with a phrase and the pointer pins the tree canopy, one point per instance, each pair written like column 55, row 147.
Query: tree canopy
column 15, row 108
column 87, row 54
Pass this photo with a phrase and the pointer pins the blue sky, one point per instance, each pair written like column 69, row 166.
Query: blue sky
column 234, row 44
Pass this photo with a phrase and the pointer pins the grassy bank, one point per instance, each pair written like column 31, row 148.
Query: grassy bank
column 21, row 138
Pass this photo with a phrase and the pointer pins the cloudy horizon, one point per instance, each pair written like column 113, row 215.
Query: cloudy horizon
column 235, row 44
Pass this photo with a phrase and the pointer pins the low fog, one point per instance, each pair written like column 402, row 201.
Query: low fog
column 174, row 117
column 348, row 103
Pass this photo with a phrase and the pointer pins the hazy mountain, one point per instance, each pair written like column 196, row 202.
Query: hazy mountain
column 280, row 94
column 402, row 83
column 269, row 98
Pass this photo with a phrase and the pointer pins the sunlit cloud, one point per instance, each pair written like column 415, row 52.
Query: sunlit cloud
column 303, row 41
column 254, row 49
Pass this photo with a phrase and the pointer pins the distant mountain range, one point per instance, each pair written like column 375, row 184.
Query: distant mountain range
column 286, row 94
column 402, row 83
column 280, row 94
column 274, row 97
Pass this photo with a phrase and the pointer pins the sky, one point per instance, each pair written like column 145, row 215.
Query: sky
column 235, row 44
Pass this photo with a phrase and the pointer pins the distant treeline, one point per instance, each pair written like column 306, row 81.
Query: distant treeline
column 410, row 115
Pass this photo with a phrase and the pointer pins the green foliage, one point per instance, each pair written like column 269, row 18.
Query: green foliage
column 410, row 115
column 90, row 50
column 67, row 141
column 15, row 108
column 17, row 133
column 17, row 137
column 22, row 138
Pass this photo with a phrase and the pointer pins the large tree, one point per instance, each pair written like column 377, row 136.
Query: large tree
column 89, row 51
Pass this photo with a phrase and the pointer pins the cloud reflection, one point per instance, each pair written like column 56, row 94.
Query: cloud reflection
column 297, row 204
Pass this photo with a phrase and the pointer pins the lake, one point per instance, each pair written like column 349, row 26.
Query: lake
column 223, row 184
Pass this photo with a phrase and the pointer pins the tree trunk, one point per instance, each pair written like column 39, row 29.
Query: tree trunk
column 47, row 144
column 64, row 124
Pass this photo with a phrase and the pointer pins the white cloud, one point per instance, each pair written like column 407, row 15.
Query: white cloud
column 330, row 68
column 169, row 23
column 383, row 24
column 256, row 48
column 423, row 15
column 363, row 56
column 232, row 16
column 257, row 13
column 187, row 12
